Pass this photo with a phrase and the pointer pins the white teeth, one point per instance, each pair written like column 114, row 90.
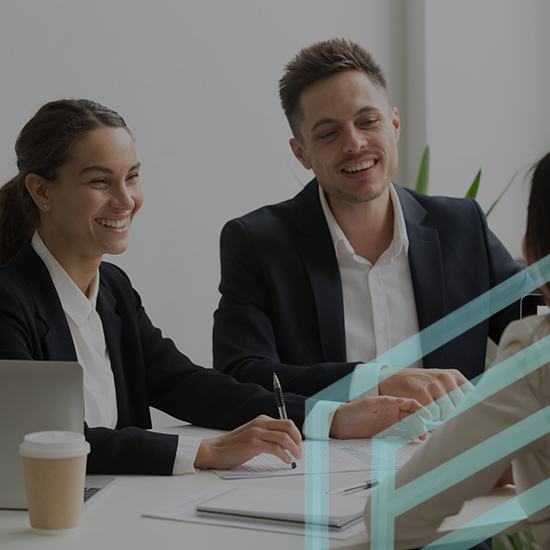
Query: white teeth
column 359, row 167
column 117, row 224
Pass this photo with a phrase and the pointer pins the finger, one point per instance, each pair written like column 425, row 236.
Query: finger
column 467, row 387
column 286, row 426
column 284, row 441
column 278, row 451
column 434, row 410
column 411, row 427
column 413, row 406
column 446, row 406
column 457, row 396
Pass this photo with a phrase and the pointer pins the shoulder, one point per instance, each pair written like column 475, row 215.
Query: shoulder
column 282, row 212
column 113, row 277
column 437, row 208
column 529, row 329
column 25, row 273
column 522, row 333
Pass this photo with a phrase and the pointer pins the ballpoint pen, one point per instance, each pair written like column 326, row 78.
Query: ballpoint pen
column 352, row 488
column 280, row 399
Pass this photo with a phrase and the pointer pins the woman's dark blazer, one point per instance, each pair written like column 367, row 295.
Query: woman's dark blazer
column 148, row 369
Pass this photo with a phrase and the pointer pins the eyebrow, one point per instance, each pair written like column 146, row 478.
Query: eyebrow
column 105, row 170
column 333, row 120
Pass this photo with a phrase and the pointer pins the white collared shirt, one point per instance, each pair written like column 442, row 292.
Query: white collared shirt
column 100, row 405
column 89, row 341
column 379, row 303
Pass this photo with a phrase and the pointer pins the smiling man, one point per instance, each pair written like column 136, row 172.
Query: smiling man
column 317, row 286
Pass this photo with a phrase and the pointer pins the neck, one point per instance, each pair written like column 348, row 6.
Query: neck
column 368, row 226
column 81, row 269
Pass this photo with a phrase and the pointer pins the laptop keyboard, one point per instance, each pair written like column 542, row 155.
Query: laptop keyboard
column 90, row 491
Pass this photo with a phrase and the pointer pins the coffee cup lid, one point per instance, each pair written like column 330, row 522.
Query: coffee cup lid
column 54, row 444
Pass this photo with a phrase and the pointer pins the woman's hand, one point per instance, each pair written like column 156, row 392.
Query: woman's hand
column 261, row 435
column 507, row 478
column 369, row 416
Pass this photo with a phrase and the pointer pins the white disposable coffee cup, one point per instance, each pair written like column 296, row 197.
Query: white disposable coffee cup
column 55, row 470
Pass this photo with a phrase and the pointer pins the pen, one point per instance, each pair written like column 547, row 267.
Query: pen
column 352, row 488
column 280, row 399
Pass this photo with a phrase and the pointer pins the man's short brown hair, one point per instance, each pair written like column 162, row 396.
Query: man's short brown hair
column 317, row 62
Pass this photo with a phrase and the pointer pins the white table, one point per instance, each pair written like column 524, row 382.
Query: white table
column 113, row 521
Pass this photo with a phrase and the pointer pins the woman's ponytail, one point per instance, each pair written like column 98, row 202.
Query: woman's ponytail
column 18, row 218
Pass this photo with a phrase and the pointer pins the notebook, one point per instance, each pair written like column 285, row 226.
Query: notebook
column 279, row 505
column 36, row 396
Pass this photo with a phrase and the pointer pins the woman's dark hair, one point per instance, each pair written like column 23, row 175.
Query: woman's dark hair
column 537, row 236
column 42, row 147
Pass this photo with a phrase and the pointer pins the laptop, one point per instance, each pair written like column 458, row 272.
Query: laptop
column 36, row 396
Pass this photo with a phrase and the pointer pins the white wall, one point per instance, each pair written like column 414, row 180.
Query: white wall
column 487, row 101
column 197, row 84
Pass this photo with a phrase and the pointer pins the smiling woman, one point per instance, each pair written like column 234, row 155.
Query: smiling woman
column 73, row 200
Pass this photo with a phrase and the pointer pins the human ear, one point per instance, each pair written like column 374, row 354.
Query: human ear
column 300, row 153
column 396, row 122
column 38, row 190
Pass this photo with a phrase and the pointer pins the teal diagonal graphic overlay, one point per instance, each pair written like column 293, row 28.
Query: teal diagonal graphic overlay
column 448, row 328
column 399, row 357
column 493, row 522
column 390, row 503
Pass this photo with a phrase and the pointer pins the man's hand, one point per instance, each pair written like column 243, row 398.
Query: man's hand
column 439, row 390
column 369, row 416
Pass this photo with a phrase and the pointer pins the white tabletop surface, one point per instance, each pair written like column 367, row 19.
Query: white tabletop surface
column 113, row 520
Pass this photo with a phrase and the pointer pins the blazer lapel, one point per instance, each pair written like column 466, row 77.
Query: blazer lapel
column 426, row 270
column 314, row 244
column 56, row 336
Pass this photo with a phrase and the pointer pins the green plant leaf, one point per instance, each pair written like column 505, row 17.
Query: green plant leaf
column 515, row 539
column 472, row 192
column 423, row 177
column 498, row 543
column 503, row 191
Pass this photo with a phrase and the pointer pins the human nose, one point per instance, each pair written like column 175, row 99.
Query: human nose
column 354, row 140
column 121, row 197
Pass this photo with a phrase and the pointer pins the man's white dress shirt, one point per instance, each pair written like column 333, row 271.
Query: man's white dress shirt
column 379, row 303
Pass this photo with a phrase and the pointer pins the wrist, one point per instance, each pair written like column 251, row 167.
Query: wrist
column 204, row 454
column 385, row 373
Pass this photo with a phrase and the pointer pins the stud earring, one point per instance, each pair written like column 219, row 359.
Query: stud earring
column 45, row 207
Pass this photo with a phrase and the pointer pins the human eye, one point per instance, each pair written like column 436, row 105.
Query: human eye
column 327, row 134
column 98, row 183
column 133, row 177
column 369, row 122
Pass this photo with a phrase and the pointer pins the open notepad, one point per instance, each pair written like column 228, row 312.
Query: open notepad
column 279, row 505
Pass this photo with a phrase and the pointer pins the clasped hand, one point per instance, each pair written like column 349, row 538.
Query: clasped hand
column 440, row 391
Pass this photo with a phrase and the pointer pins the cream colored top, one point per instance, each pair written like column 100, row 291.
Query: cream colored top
column 482, row 420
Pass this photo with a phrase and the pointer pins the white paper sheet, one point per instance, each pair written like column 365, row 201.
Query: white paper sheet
column 184, row 510
column 351, row 455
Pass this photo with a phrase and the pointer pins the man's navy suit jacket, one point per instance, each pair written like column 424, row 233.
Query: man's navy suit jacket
column 147, row 368
column 281, row 308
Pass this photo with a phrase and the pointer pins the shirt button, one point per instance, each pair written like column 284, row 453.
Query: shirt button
column 381, row 330
column 102, row 391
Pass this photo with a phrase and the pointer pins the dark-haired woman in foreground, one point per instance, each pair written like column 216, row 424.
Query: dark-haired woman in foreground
column 73, row 200
column 488, row 417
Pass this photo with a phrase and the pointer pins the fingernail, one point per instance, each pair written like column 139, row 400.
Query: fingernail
column 399, row 400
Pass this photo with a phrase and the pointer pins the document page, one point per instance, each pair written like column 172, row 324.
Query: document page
column 350, row 455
